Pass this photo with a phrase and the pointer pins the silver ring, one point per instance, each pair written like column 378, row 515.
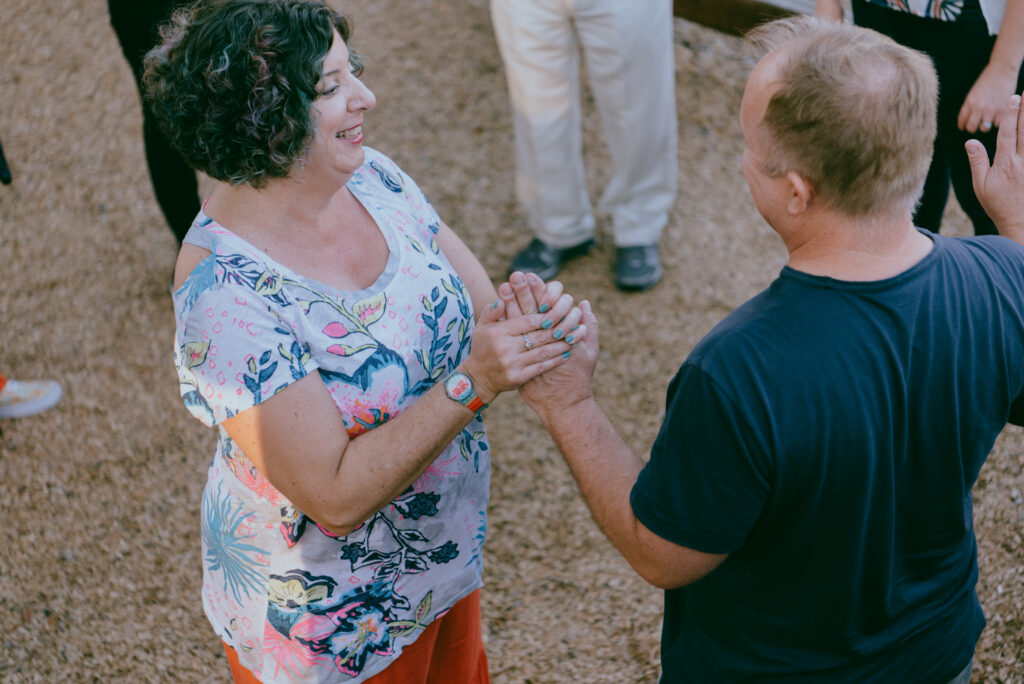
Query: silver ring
column 985, row 126
column 527, row 342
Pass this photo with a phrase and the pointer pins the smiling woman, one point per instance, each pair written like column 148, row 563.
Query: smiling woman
column 323, row 309
column 193, row 82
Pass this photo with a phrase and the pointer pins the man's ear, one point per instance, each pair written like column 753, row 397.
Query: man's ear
column 801, row 193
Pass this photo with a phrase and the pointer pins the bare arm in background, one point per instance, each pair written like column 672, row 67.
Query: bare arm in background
column 987, row 98
column 1000, row 185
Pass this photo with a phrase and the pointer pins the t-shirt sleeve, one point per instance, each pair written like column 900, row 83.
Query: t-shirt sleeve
column 1017, row 411
column 706, row 483
column 422, row 212
column 234, row 351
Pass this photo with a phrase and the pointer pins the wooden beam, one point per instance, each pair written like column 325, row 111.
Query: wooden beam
column 739, row 16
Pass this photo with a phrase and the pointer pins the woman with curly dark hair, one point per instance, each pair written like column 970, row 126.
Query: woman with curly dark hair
column 344, row 341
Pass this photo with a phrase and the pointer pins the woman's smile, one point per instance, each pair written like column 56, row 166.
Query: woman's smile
column 353, row 135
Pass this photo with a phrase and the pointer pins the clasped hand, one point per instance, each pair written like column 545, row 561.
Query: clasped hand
column 531, row 329
column 546, row 320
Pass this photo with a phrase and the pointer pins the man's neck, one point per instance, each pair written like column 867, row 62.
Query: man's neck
column 827, row 243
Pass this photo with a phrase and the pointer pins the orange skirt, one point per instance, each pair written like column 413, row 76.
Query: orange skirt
column 449, row 651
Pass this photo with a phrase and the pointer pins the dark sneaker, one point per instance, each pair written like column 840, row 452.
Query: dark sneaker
column 544, row 260
column 637, row 268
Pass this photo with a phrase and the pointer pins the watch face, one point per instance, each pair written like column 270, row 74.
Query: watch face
column 459, row 387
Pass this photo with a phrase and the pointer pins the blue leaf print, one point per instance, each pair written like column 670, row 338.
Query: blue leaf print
column 381, row 360
column 202, row 278
column 226, row 548
column 268, row 372
column 195, row 403
column 440, row 307
column 478, row 539
column 386, row 178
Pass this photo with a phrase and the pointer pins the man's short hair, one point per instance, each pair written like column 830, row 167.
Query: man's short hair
column 854, row 113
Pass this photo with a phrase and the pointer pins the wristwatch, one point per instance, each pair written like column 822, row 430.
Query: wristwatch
column 459, row 386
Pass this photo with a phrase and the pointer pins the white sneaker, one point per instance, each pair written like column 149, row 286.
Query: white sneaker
column 20, row 398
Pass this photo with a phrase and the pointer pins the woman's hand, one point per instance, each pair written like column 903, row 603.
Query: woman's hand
column 509, row 350
column 983, row 108
column 568, row 383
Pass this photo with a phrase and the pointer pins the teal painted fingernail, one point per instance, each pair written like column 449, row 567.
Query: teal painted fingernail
column 546, row 324
column 544, row 308
column 558, row 334
column 495, row 304
column 570, row 339
column 566, row 355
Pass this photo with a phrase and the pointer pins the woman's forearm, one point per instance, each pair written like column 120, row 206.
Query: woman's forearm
column 378, row 465
column 1008, row 51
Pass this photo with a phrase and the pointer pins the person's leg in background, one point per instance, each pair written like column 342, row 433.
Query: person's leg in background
column 541, row 57
column 630, row 60
column 960, row 52
column 910, row 31
column 959, row 64
column 174, row 182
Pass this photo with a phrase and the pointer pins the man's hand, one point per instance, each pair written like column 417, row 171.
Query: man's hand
column 1000, row 186
column 572, row 382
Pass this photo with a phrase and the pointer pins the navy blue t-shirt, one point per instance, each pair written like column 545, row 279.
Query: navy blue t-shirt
column 827, row 435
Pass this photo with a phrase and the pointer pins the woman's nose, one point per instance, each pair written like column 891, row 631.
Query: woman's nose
column 364, row 98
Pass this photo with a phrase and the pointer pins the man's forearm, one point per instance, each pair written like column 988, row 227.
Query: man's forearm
column 606, row 470
column 604, row 467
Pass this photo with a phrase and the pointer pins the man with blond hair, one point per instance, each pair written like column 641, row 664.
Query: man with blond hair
column 807, row 503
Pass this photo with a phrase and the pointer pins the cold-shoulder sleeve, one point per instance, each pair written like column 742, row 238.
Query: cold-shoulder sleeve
column 234, row 350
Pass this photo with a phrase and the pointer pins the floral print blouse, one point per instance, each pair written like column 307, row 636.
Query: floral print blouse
column 297, row 603
column 944, row 10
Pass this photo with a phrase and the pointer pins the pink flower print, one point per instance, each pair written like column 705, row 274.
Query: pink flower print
column 345, row 350
column 431, row 478
column 253, row 480
column 369, row 636
column 290, row 656
column 312, row 627
column 336, row 330
column 364, row 415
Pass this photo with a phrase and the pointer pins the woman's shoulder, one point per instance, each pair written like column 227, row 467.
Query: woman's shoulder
column 228, row 279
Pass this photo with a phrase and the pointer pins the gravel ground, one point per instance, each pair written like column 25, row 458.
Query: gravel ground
column 99, row 553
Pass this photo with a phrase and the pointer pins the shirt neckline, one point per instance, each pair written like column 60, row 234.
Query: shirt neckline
column 379, row 284
column 939, row 246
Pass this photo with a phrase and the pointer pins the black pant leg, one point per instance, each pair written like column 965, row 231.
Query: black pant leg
column 174, row 181
column 907, row 30
column 960, row 52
